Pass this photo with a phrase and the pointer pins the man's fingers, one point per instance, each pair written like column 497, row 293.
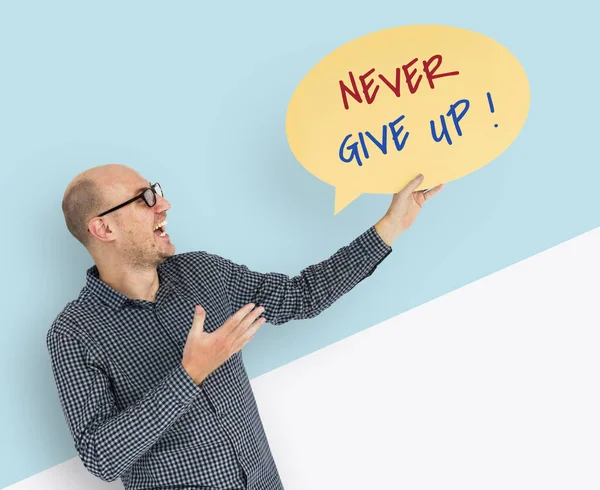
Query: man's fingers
column 247, row 334
column 432, row 192
column 412, row 185
column 243, row 325
column 234, row 320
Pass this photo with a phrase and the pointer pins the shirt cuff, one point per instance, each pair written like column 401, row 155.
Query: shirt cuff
column 183, row 385
column 373, row 245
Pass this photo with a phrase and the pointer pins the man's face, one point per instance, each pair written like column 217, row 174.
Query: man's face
column 130, row 229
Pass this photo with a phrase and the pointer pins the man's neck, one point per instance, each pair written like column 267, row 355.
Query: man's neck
column 135, row 284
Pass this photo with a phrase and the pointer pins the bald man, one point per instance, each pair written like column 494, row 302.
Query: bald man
column 148, row 359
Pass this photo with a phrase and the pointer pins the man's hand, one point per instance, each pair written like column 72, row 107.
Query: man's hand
column 204, row 352
column 404, row 209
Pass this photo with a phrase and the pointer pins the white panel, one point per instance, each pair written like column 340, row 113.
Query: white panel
column 70, row 475
column 492, row 386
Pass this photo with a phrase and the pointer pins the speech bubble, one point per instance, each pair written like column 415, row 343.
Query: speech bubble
column 374, row 113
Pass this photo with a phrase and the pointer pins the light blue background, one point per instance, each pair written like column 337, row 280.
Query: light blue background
column 194, row 95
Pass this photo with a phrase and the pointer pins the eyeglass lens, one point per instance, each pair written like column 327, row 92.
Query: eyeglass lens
column 149, row 196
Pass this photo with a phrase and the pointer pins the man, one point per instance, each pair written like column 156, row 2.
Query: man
column 147, row 360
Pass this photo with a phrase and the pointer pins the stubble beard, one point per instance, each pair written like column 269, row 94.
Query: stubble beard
column 142, row 252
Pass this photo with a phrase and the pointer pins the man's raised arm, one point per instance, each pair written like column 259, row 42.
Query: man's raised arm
column 318, row 286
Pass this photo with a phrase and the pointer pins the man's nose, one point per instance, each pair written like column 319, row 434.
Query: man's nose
column 161, row 204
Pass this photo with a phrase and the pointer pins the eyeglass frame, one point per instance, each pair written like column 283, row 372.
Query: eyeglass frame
column 133, row 199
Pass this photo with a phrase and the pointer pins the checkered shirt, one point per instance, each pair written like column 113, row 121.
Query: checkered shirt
column 133, row 411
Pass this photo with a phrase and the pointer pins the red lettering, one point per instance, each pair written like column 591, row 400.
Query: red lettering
column 369, row 89
column 409, row 76
column 345, row 90
column 430, row 73
column 366, row 86
column 394, row 88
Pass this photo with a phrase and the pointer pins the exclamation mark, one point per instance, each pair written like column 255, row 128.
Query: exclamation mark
column 491, row 104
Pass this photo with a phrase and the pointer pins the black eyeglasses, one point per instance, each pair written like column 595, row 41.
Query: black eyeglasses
column 148, row 195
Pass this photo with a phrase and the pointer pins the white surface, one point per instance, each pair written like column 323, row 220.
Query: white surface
column 492, row 386
column 70, row 475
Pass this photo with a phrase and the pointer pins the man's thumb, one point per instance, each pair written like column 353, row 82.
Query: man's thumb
column 199, row 316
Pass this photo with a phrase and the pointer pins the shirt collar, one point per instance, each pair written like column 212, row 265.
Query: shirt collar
column 112, row 297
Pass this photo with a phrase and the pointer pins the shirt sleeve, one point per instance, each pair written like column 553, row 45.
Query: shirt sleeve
column 313, row 290
column 109, row 440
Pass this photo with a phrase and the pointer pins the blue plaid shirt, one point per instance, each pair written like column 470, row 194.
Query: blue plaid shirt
column 134, row 412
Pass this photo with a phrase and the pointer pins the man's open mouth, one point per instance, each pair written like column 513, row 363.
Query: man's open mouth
column 160, row 228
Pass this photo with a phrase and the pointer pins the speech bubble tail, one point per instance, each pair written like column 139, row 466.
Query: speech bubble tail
column 343, row 197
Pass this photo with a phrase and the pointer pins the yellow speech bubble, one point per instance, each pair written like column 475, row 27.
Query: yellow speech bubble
column 437, row 100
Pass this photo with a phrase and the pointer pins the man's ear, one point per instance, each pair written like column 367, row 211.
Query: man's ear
column 100, row 228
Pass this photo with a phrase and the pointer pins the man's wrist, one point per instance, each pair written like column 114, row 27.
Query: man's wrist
column 196, row 378
column 388, row 229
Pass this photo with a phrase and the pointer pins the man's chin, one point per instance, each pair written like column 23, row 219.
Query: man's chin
column 167, row 251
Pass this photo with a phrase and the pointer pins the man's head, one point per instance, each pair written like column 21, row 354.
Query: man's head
column 124, row 236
